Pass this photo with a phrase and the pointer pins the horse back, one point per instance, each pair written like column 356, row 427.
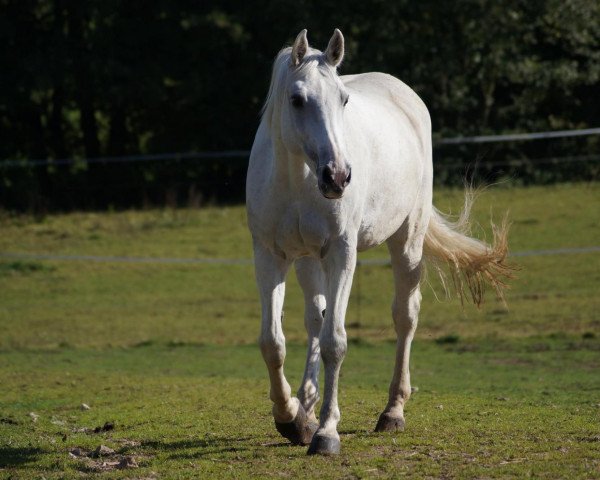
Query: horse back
column 383, row 89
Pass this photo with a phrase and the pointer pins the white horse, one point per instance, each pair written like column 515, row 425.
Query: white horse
column 339, row 165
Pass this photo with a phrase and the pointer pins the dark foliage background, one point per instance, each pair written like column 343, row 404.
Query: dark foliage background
column 90, row 79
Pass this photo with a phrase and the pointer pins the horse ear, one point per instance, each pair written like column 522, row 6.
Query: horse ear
column 299, row 48
column 335, row 50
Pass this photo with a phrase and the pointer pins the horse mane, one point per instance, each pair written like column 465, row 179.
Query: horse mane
column 280, row 67
column 281, row 70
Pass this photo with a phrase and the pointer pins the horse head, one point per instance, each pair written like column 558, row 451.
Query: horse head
column 312, row 112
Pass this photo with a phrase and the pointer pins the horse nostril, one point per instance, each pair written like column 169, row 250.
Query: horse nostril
column 348, row 178
column 327, row 175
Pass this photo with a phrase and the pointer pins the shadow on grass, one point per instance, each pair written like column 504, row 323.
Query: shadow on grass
column 213, row 446
column 196, row 449
column 13, row 457
column 200, row 447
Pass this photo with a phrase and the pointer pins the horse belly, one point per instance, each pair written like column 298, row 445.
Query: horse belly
column 387, row 209
column 373, row 234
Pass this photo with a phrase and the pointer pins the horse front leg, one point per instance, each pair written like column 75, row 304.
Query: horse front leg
column 290, row 419
column 339, row 265
column 312, row 280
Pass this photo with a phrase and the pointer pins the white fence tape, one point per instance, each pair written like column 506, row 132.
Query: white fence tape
column 247, row 261
column 518, row 136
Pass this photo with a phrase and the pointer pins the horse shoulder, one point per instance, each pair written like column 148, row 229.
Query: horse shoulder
column 258, row 176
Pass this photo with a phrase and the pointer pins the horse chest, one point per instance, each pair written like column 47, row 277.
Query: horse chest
column 300, row 232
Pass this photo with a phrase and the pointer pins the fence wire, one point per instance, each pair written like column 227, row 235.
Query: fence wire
column 24, row 163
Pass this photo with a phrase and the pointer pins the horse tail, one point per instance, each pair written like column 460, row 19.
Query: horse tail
column 472, row 263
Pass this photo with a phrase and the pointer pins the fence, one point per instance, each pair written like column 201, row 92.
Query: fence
column 193, row 178
column 355, row 309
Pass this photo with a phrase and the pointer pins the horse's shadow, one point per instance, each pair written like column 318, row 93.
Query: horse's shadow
column 190, row 449
column 13, row 457
column 180, row 449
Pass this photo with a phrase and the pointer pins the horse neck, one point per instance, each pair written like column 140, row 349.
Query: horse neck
column 289, row 170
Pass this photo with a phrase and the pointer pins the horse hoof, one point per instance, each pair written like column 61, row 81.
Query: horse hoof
column 299, row 431
column 387, row 423
column 324, row 445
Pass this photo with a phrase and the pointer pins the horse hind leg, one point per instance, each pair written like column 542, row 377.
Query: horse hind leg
column 406, row 265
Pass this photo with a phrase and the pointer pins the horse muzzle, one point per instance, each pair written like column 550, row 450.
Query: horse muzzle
column 333, row 181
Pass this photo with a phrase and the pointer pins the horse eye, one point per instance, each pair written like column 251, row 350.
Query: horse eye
column 346, row 101
column 297, row 101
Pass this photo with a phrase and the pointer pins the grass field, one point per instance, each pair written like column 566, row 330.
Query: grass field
column 164, row 354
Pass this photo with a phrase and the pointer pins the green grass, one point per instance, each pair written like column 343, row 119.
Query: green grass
column 183, row 410
column 166, row 352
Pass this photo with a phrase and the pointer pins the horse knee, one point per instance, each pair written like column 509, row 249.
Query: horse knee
column 333, row 347
column 273, row 350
